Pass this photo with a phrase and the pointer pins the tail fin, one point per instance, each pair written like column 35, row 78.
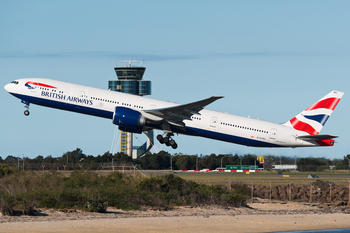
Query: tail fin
column 312, row 119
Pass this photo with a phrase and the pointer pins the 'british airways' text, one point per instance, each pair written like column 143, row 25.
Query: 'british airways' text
column 67, row 98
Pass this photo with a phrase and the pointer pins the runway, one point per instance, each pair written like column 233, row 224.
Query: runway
column 262, row 174
column 225, row 174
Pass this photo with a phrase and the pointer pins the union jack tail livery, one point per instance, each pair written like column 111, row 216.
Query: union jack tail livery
column 312, row 119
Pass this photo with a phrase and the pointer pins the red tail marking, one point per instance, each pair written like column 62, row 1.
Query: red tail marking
column 302, row 126
column 329, row 103
column 326, row 142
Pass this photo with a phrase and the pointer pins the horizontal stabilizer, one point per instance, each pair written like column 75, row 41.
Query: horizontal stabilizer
column 316, row 137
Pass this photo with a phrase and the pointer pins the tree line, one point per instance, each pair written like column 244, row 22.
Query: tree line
column 178, row 161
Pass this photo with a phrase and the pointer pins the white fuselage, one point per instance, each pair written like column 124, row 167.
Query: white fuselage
column 102, row 103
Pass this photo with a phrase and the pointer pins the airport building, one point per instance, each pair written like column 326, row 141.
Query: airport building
column 130, row 81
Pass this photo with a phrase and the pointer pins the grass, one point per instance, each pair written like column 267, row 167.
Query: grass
column 330, row 172
column 335, row 172
column 220, row 179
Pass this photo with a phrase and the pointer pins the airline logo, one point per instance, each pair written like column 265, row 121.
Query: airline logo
column 57, row 96
column 28, row 84
column 312, row 119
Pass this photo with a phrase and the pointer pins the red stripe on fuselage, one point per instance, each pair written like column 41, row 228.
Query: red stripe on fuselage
column 40, row 84
column 329, row 103
column 302, row 126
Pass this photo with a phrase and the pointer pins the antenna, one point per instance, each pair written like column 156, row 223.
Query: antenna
column 130, row 62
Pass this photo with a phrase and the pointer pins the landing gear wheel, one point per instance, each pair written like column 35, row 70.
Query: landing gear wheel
column 160, row 138
column 26, row 112
column 172, row 142
column 174, row 146
column 166, row 140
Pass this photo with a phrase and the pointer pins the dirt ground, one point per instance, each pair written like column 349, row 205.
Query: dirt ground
column 256, row 217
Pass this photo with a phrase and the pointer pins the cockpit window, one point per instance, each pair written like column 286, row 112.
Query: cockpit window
column 15, row 82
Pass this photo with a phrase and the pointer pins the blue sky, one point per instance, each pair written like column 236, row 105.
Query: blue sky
column 270, row 59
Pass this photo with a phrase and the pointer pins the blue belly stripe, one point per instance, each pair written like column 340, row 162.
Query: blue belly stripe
column 109, row 115
column 229, row 138
column 66, row 106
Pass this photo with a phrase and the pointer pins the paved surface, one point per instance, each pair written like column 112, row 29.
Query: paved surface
column 258, row 174
column 220, row 174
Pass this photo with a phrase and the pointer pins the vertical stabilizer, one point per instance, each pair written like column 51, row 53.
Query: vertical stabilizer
column 312, row 119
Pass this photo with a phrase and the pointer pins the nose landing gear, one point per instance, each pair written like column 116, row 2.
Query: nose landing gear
column 167, row 140
column 26, row 112
column 26, row 105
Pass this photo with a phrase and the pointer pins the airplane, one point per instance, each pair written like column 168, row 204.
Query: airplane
column 137, row 114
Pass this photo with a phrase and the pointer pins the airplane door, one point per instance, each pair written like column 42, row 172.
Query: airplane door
column 273, row 134
column 81, row 94
column 213, row 123
column 34, row 91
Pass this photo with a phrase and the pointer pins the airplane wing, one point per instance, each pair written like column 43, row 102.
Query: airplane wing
column 316, row 137
column 176, row 114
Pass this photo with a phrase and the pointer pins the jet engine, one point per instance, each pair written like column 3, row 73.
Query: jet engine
column 128, row 120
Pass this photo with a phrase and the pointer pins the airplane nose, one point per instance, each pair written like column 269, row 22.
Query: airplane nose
column 7, row 87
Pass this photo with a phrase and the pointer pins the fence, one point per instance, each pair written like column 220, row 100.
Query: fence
column 72, row 166
column 330, row 191
column 306, row 168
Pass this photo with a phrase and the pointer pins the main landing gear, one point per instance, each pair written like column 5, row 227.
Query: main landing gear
column 167, row 140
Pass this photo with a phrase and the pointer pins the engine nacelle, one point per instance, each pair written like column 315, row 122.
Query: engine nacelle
column 128, row 120
column 138, row 129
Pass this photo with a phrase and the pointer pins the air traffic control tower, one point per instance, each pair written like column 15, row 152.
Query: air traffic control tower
column 130, row 81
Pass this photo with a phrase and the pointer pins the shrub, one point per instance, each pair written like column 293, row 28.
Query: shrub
column 241, row 189
column 6, row 170
column 89, row 191
column 321, row 168
column 322, row 183
column 171, row 190
column 96, row 206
